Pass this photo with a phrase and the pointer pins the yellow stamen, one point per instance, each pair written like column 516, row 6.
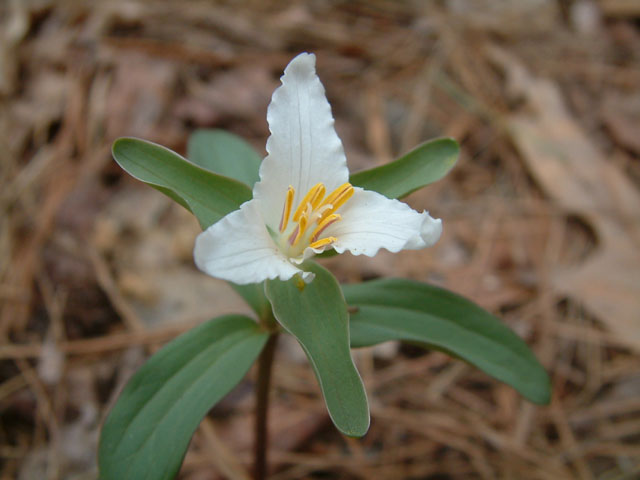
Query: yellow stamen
column 312, row 216
column 302, row 222
column 324, row 242
column 322, row 225
column 299, row 231
column 333, row 194
column 331, row 197
column 312, row 196
column 286, row 210
column 318, row 196
column 337, row 198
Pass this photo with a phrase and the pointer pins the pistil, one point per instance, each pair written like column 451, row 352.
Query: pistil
column 313, row 210
column 313, row 197
column 337, row 198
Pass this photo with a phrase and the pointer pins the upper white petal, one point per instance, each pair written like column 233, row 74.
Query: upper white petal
column 371, row 221
column 303, row 148
column 239, row 248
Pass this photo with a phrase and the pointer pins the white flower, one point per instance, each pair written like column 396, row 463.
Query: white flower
column 303, row 203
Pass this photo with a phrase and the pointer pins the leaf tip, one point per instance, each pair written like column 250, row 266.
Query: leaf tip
column 452, row 144
column 120, row 147
column 541, row 394
column 357, row 429
column 359, row 433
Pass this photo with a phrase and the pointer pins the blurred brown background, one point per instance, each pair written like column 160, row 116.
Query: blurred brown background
column 541, row 224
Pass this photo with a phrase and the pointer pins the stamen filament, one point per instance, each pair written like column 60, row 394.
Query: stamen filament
column 324, row 242
column 294, row 235
column 310, row 197
column 286, row 210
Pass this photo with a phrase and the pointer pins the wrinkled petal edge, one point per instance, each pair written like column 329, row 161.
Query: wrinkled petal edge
column 371, row 221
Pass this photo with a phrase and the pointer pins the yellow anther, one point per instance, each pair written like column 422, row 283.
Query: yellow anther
column 286, row 210
column 317, row 196
column 302, row 221
column 323, row 224
column 299, row 231
column 313, row 214
column 332, row 196
column 324, row 242
column 337, row 198
column 313, row 195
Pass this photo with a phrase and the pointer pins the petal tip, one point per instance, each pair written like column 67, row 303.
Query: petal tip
column 307, row 277
column 304, row 62
column 431, row 229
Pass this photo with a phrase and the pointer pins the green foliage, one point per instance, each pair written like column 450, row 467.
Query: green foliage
column 423, row 165
column 148, row 430
column 397, row 309
column 253, row 294
column 207, row 195
column 316, row 315
column 225, row 154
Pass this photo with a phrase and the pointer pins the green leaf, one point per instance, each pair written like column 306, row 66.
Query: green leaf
column 225, row 154
column 317, row 317
column 423, row 165
column 207, row 195
column 253, row 294
column 397, row 309
column 148, row 430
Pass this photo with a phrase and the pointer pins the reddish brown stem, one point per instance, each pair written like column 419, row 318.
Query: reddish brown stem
column 261, row 445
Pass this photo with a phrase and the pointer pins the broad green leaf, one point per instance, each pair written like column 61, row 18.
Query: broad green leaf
column 253, row 294
column 224, row 153
column 397, row 309
column 423, row 165
column 207, row 195
column 149, row 428
column 317, row 317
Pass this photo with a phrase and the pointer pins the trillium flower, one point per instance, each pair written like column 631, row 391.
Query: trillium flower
column 303, row 203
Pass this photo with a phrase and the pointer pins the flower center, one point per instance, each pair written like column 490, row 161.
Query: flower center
column 314, row 214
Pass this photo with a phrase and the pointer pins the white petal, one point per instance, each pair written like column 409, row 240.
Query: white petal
column 239, row 248
column 371, row 221
column 303, row 148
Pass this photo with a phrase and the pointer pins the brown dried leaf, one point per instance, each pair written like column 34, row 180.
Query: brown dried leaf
column 571, row 169
column 621, row 115
column 151, row 246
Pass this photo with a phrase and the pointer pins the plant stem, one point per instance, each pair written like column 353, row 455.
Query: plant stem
column 262, row 407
